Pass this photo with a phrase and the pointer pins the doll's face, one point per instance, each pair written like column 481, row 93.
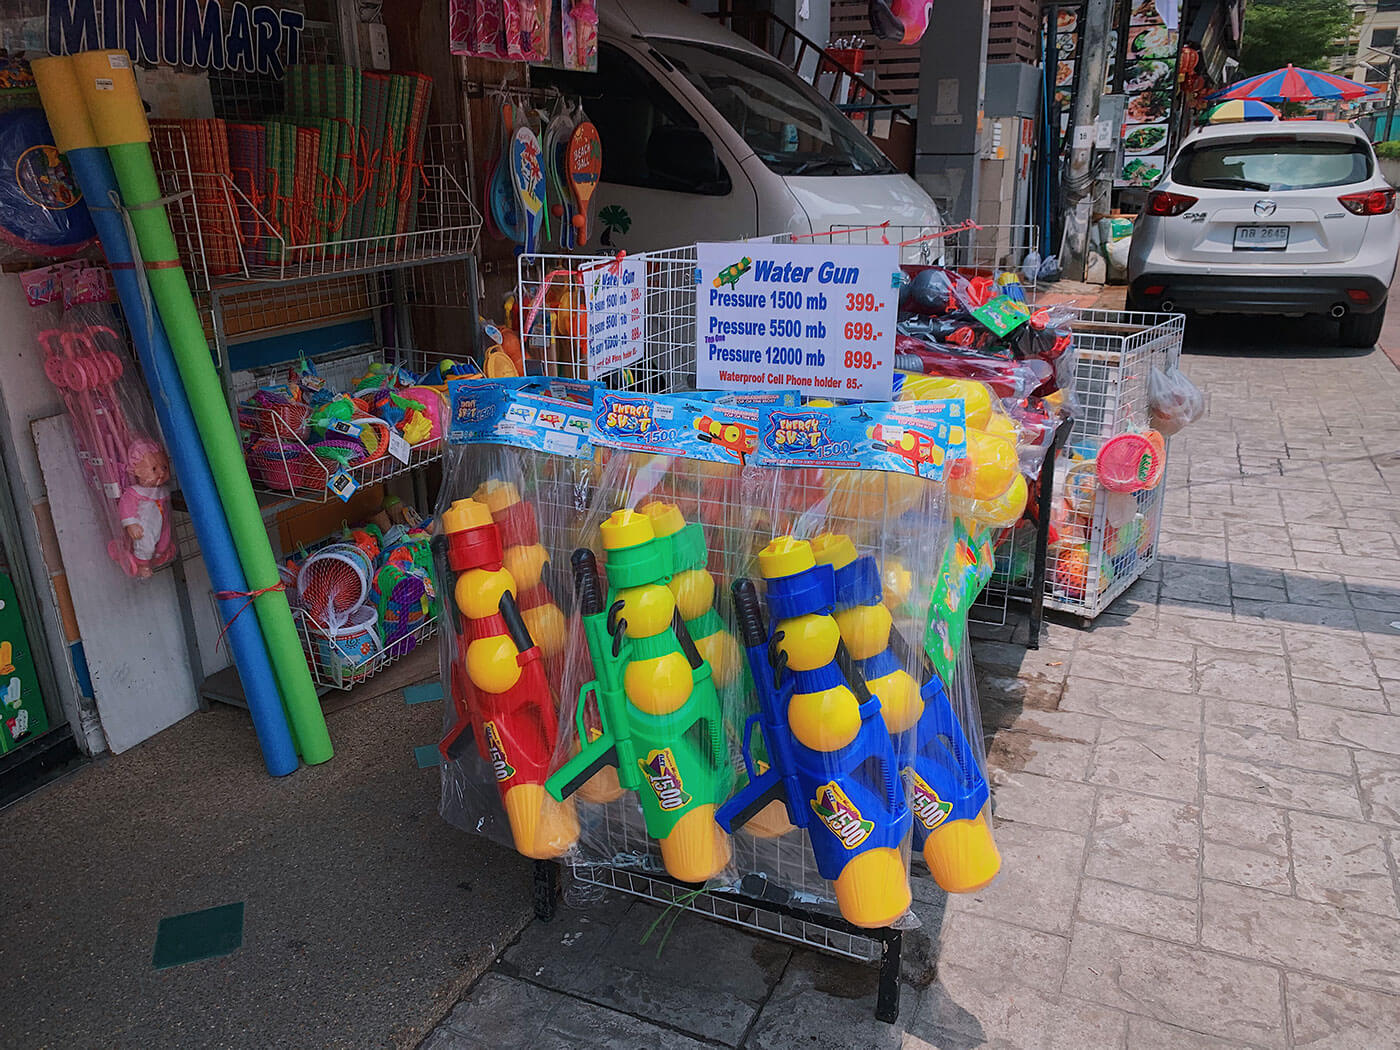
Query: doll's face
column 151, row 470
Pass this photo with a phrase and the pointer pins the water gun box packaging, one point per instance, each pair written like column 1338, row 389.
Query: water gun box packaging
column 516, row 466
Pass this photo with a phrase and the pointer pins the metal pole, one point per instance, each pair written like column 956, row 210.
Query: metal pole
column 1390, row 109
column 1079, row 194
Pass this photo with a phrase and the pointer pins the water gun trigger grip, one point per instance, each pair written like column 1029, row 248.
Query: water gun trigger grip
column 592, row 756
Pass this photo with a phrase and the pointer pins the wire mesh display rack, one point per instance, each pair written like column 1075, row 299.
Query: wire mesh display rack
column 792, row 902
column 225, row 235
column 1107, row 544
column 343, row 658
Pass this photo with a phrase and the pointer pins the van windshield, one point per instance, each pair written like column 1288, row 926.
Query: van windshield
column 793, row 130
column 1273, row 163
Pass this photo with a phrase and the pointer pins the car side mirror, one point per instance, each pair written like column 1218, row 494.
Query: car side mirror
column 684, row 159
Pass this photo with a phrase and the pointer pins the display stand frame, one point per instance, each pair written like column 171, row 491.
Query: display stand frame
column 664, row 890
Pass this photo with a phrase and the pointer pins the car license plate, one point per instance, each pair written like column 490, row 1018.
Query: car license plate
column 1261, row 238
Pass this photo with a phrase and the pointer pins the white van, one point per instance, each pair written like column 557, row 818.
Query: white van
column 706, row 137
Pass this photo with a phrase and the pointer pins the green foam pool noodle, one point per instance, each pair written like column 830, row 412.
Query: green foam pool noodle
column 114, row 103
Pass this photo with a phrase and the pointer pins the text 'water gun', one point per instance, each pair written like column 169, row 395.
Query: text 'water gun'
column 498, row 686
column 833, row 763
column 942, row 778
column 655, row 699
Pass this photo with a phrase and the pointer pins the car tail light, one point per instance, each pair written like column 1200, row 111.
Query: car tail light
column 1163, row 202
column 1372, row 202
column 1358, row 295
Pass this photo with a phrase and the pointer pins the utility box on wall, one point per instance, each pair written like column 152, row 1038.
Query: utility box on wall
column 1008, row 142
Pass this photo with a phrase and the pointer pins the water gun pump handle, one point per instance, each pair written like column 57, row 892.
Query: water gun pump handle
column 586, row 585
column 749, row 613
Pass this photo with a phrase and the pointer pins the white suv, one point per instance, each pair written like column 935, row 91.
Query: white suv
column 1288, row 217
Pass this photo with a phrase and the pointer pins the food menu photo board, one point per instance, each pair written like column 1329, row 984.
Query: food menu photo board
column 1066, row 59
column 1149, row 81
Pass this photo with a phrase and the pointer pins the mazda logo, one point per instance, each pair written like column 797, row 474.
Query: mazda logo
column 1265, row 208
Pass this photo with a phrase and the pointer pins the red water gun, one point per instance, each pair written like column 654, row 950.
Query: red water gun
column 499, row 691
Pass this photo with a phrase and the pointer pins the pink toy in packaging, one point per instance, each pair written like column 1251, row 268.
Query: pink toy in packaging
column 88, row 362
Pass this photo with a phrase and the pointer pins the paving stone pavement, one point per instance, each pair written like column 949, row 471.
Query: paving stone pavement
column 1197, row 799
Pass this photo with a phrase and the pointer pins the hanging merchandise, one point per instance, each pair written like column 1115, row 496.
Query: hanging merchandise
column 126, row 467
column 507, row 514
column 585, row 167
column 527, row 179
column 903, row 21
column 42, row 212
column 514, row 30
column 579, row 35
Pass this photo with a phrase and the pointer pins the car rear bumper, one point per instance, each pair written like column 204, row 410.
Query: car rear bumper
column 1234, row 294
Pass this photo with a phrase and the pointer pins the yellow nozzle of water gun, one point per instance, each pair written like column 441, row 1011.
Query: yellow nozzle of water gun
column 961, row 855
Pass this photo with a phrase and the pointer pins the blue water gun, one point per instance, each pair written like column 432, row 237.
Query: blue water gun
column 946, row 788
column 830, row 758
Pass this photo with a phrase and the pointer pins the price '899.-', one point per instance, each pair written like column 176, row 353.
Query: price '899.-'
column 860, row 359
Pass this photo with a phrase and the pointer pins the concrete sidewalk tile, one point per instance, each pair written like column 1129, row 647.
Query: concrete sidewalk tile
column 991, row 948
column 1245, row 867
column 1199, row 989
column 1034, row 752
column 1266, row 748
column 966, row 1009
column 1247, row 825
column 1330, row 695
column 1154, row 761
column 1262, row 678
column 1236, row 714
column 1317, row 589
column 1225, row 632
column 1290, row 612
column 1197, row 582
column 1327, row 657
column 1359, row 729
column 1150, row 843
column 1300, row 935
column 825, row 1003
column 1380, row 787
column 708, row 979
column 1146, row 1034
column 1029, row 799
column 1282, row 786
column 1366, row 594
column 1039, row 879
column 578, row 1025
column 1138, row 910
column 1118, row 701
column 1247, row 536
column 503, row 1012
column 1341, row 862
column 1369, row 543
column 1324, row 1014
column 1127, row 668
column 1161, row 646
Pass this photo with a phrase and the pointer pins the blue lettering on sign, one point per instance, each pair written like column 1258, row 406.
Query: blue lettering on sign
column 203, row 34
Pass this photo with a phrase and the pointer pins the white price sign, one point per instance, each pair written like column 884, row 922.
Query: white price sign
column 615, row 301
column 819, row 318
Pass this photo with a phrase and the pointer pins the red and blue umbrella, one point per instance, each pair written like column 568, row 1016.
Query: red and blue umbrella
column 1296, row 85
column 1241, row 110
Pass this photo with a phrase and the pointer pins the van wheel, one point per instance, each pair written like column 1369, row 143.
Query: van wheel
column 1362, row 330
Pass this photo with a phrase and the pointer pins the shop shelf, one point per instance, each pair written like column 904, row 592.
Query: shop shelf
column 227, row 239
column 343, row 663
